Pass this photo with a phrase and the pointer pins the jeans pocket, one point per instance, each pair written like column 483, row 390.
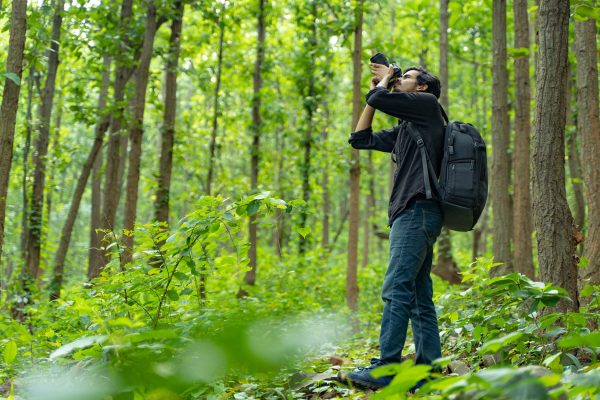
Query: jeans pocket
column 432, row 224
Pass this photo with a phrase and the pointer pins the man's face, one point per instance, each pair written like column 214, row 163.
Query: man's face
column 408, row 83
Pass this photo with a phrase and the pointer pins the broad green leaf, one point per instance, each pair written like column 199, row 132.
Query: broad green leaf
column 172, row 294
column 78, row 344
column 553, row 362
column 495, row 345
column 304, row 232
column 10, row 352
column 253, row 207
column 591, row 340
column 13, row 77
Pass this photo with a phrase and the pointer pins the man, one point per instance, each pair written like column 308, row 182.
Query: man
column 415, row 221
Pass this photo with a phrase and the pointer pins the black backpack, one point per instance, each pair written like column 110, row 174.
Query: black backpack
column 462, row 184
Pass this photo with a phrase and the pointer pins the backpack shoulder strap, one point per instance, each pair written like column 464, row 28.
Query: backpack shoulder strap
column 428, row 170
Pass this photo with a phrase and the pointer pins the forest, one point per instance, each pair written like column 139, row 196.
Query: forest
column 182, row 216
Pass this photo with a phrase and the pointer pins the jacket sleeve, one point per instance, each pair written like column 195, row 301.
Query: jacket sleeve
column 383, row 140
column 418, row 107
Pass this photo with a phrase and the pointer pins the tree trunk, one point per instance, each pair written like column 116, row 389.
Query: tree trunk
column 10, row 102
column 354, row 211
column 250, row 277
column 215, row 120
column 65, row 239
column 112, row 182
column 500, row 141
column 54, row 145
column 24, row 186
column 310, row 107
column 445, row 267
column 588, row 124
column 161, row 204
column 136, row 132
column 34, row 234
column 95, row 258
column 575, row 175
column 552, row 217
column 523, row 224
column 369, row 205
column 325, row 182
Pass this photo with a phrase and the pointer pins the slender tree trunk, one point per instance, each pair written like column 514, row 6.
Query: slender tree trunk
column 24, row 186
column 500, row 142
column 250, row 277
column 310, row 107
column 215, row 119
column 10, row 102
column 34, row 235
column 588, row 124
column 325, row 182
column 445, row 267
column 65, row 239
column 523, row 224
column 54, row 145
column 552, row 217
column 575, row 168
column 161, row 205
column 136, row 132
column 354, row 211
column 369, row 207
column 94, row 255
column 112, row 182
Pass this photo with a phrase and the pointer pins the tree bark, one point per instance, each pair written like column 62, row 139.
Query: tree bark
column 369, row 206
column 523, row 224
column 250, row 277
column 34, row 234
column 26, row 149
column 136, row 132
column 215, row 119
column 500, row 142
column 354, row 211
column 588, row 125
column 445, row 267
column 325, row 183
column 65, row 239
column 552, row 217
column 575, row 175
column 10, row 102
column 161, row 204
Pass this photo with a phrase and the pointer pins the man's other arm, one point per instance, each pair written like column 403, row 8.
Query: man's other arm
column 418, row 107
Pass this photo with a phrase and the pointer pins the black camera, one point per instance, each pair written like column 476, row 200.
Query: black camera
column 379, row 58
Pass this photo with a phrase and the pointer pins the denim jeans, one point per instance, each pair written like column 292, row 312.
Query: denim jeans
column 407, row 289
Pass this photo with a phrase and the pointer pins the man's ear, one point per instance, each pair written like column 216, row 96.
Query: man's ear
column 422, row 88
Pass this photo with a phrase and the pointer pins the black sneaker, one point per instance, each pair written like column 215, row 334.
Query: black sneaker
column 361, row 377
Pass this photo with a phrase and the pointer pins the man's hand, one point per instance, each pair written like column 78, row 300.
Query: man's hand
column 379, row 71
column 374, row 82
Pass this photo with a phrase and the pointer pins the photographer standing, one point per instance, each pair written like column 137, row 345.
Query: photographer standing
column 415, row 221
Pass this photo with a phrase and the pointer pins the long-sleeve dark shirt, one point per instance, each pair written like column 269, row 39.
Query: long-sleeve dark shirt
column 423, row 111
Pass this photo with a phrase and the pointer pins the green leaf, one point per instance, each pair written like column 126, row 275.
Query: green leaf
column 518, row 52
column 172, row 294
column 587, row 291
column 591, row 340
column 553, row 362
column 495, row 345
column 13, row 77
column 80, row 343
column 253, row 207
column 180, row 276
column 585, row 12
column 10, row 352
column 304, row 232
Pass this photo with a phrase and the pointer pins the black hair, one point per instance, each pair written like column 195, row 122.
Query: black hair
column 425, row 78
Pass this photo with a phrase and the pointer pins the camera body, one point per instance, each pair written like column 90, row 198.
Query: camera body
column 380, row 58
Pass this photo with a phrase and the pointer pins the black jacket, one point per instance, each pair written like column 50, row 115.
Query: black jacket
column 423, row 111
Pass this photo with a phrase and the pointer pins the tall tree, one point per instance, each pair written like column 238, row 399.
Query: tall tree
column 310, row 106
column 551, row 214
column 10, row 101
column 445, row 266
column 65, row 238
column 588, row 125
column 215, row 119
column 112, row 183
column 351, row 272
column 500, row 140
column 26, row 149
column 161, row 205
column 34, row 234
column 256, row 127
column 523, row 224
column 136, row 131
column 575, row 174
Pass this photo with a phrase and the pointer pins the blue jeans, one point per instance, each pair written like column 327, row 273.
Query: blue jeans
column 407, row 289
